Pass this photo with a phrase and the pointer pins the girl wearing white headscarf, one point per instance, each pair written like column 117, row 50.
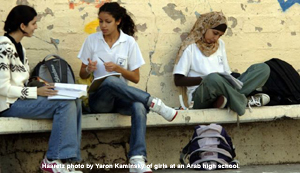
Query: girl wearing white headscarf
column 202, row 56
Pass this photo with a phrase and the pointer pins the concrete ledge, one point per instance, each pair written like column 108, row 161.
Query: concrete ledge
column 187, row 117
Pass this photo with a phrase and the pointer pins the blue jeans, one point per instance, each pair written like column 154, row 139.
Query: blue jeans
column 114, row 95
column 65, row 138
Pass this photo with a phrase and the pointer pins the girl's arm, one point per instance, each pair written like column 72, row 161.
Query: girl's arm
column 86, row 70
column 181, row 80
column 7, row 89
column 83, row 73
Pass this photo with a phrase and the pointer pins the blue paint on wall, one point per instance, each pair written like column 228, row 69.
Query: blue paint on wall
column 287, row 4
column 197, row 14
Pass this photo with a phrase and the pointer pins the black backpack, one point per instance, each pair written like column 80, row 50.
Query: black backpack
column 54, row 69
column 283, row 85
column 210, row 148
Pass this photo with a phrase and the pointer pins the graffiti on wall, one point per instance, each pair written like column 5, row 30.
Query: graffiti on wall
column 286, row 4
column 92, row 27
column 96, row 3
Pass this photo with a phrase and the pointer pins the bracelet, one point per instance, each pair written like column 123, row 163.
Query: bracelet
column 87, row 70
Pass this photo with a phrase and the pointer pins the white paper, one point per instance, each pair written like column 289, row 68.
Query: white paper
column 234, row 81
column 60, row 97
column 69, row 91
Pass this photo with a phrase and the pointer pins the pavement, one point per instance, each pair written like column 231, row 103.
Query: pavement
column 284, row 168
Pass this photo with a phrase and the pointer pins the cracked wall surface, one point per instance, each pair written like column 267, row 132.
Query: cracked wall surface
column 257, row 31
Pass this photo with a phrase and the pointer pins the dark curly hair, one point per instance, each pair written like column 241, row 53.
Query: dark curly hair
column 127, row 24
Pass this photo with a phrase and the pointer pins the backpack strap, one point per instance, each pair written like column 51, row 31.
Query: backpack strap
column 58, row 73
column 220, row 161
column 184, row 153
column 210, row 149
column 213, row 127
column 64, row 71
column 210, row 136
column 35, row 71
column 71, row 72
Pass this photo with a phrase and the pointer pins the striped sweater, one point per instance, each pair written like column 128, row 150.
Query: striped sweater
column 13, row 75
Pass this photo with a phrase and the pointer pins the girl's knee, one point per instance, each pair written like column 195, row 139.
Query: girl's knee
column 112, row 80
column 69, row 105
column 139, row 107
column 212, row 79
column 266, row 69
column 263, row 68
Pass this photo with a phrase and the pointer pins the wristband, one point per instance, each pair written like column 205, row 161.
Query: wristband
column 87, row 70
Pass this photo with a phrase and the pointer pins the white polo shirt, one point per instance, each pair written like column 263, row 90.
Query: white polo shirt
column 125, row 52
column 194, row 64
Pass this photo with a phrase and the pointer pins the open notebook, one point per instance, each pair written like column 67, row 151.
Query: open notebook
column 68, row 91
column 234, row 81
column 98, row 81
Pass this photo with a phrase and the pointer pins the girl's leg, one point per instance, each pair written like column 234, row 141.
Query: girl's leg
column 65, row 138
column 254, row 77
column 112, row 87
column 116, row 96
column 213, row 86
column 137, row 153
column 138, row 114
column 106, row 101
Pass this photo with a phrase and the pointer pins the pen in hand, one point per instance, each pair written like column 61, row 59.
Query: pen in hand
column 101, row 60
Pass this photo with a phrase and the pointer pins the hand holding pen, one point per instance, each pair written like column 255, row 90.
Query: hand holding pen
column 92, row 66
column 110, row 66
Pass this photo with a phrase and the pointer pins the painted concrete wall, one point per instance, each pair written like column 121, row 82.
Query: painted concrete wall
column 258, row 30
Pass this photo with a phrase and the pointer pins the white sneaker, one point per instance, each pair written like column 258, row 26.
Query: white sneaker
column 56, row 166
column 72, row 169
column 259, row 99
column 138, row 165
column 165, row 111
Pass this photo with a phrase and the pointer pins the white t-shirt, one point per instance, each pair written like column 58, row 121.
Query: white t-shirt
column 125, row 52
column 194, row 64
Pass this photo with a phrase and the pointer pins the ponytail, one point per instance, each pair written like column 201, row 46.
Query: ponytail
column 127, row 24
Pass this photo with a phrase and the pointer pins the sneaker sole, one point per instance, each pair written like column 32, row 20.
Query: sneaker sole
column 174, row 116
column 44, row 171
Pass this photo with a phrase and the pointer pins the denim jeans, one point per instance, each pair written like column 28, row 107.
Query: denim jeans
column 65, row 138
column 114, row 95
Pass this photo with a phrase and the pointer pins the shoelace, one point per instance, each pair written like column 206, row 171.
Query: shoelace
column 253, row 101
